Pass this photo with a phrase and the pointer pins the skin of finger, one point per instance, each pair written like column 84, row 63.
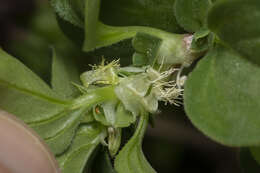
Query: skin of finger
column 22, row 150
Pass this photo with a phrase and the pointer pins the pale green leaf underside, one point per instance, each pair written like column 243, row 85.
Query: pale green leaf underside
column 77, row 156
column 25, row 94
column 222, row 98
column 131, row 158
column 58, row 132
column 13, row 72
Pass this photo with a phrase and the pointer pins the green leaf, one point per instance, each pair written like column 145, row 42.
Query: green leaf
column 88, row 117
column 236, row 23
column 131, row 158
column 192, row 14
column 221, row 98
column 98, row 34
column 66, row 11
column 247, row 162
column 59, row 131
column 91, row 23
column 24, row 94
column 33, row 46
column 64, row 74
column 152, row 13
column 38, row 57
column 102, row 164
column 256, row 153
column 77, row 157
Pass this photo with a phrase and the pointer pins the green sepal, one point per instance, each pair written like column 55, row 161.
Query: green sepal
column 146, row 45
column 201, row 41
column 133, row 92
column 139, row 59
column 113, row 114
column 130, row 70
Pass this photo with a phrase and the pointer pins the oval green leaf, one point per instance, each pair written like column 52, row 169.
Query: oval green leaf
column 192, row 14
column 221, row 98
column 236, row 22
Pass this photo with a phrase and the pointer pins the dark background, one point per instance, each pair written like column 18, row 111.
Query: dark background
column 173, row 145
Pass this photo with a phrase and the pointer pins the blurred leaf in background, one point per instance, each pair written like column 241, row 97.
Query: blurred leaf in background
column 32, row 43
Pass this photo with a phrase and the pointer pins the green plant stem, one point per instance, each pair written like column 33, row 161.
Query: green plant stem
column 107, row 35
column 94, row 97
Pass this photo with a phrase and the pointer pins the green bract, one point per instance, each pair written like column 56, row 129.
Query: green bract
column 134, row 94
